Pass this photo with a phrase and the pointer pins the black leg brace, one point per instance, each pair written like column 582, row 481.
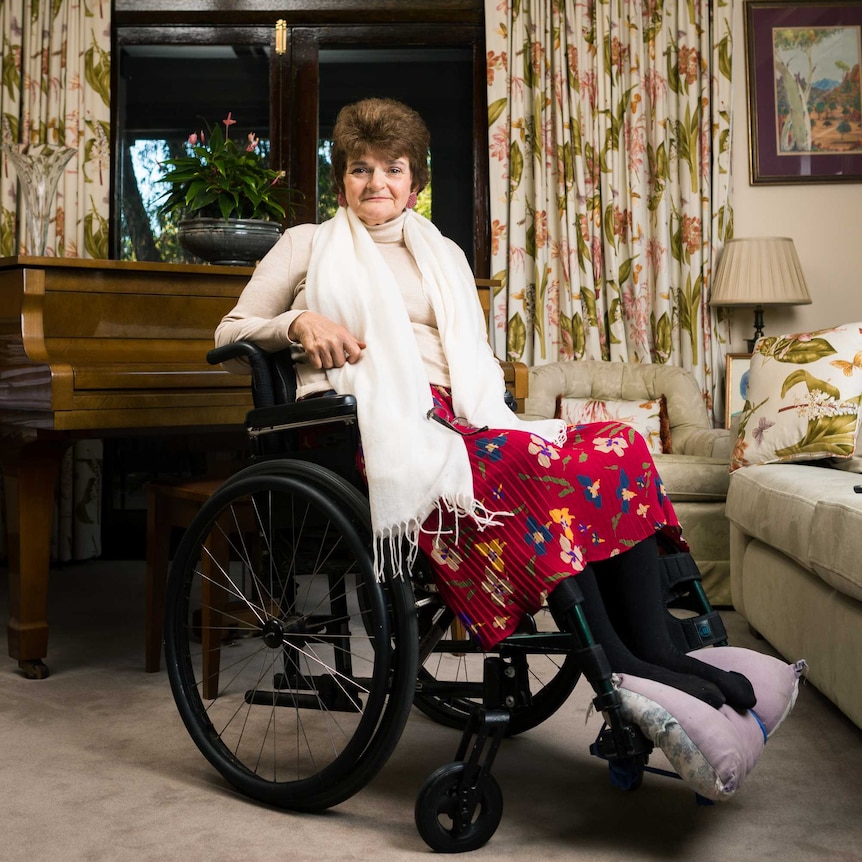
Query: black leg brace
column 630, row 587
column 562, row 606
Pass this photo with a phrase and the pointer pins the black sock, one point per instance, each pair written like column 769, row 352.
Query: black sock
column 619, row 656
column 630, row 585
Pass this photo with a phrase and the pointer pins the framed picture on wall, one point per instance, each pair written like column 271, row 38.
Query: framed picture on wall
column 804, row 102
column 735, row 385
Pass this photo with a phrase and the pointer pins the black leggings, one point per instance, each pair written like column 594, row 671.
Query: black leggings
column 625, row 610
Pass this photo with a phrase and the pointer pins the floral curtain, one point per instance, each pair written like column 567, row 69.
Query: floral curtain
column 56, row 76
column 609, row 136
column 55, row 90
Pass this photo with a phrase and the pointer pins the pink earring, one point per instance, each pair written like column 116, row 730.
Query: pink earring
column 411, row 201
column 342, row 201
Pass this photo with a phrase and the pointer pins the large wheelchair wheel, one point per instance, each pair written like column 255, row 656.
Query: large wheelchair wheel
column 450, row 678
column 292, row 666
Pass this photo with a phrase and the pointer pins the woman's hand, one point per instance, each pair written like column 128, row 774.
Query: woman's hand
column 327, row 344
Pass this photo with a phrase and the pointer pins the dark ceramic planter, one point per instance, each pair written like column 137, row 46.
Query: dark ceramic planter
column 235, row 242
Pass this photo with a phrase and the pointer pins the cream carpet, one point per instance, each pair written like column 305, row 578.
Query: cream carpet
column 95, row 765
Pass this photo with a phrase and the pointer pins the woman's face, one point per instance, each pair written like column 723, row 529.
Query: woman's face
column 377, row 188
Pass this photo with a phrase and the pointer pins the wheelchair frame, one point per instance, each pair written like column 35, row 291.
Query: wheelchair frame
column 294, row 668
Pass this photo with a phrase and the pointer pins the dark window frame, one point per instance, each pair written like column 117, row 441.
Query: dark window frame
column 295, row 74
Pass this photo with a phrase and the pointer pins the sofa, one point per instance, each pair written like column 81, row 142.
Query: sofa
column 694, row 473
column 796, row 575
column 795, row 514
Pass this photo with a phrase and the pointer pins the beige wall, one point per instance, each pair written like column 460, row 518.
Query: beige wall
column 824, row 220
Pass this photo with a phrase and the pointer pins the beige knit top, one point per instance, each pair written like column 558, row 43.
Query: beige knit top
column 275, row 297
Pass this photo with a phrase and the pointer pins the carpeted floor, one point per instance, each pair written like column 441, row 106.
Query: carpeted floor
column 95, row 765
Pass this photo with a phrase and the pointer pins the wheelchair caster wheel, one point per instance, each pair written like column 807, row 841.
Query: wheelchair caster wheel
column 34, row 668
column 453, row 817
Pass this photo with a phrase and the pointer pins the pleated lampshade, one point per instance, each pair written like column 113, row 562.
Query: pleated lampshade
column 758, row 271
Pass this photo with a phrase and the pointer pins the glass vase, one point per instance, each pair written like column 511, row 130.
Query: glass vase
column 39, row 170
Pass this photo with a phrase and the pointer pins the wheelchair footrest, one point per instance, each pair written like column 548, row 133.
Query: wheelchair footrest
column 625, row 742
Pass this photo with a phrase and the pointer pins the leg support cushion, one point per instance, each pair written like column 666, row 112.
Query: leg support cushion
column 713, row 750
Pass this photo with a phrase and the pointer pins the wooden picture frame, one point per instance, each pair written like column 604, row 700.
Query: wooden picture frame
column 804, row 102
column 735, row 384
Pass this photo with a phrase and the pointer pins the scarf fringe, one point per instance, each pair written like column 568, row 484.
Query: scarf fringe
column 414, row 466
column 561, row 437
column 399, row 544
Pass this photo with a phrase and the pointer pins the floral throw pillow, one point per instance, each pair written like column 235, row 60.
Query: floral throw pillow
column 803, row 398
column 649, row 418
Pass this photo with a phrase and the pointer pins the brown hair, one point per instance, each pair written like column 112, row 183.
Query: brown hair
column 384, row 127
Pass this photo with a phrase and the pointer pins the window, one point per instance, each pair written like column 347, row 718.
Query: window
column 157, row 117
column 170, row 77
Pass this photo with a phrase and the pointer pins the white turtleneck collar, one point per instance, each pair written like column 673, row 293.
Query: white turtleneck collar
column 389, row 231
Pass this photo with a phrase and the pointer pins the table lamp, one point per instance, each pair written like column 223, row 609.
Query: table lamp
column 759, row 271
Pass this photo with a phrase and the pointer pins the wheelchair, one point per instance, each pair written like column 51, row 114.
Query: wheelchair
column 294, row 668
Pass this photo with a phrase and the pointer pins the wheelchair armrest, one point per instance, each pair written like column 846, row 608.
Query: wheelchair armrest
column 234, row 350
column 301, row 414
column 257, row 359
column 272, row 377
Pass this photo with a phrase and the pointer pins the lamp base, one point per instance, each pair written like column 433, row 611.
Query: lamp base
column 758, row 328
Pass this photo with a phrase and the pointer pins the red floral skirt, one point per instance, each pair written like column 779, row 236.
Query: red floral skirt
column 591, row 498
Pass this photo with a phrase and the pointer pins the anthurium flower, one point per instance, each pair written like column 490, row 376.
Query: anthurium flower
column 219, row 178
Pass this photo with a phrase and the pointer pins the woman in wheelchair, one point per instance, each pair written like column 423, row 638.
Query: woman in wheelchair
column 377, row 303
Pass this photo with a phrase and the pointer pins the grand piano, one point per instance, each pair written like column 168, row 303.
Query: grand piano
column 94, row 348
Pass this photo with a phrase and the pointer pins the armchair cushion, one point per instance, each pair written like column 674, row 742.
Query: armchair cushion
column 620, row 381
column 648, row 417
column 694, row 477
column 715, row 443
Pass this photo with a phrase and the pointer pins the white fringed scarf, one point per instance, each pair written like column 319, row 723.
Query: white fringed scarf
column 414, row 465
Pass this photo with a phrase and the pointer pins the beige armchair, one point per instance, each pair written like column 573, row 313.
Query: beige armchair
column 695, row 474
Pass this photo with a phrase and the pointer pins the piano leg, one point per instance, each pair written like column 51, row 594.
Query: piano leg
column 30, row 471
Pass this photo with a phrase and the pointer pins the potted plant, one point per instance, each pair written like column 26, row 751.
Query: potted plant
column 229, row 201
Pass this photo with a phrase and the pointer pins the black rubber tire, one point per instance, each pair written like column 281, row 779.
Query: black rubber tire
column 436, row 811
column 324, row 654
